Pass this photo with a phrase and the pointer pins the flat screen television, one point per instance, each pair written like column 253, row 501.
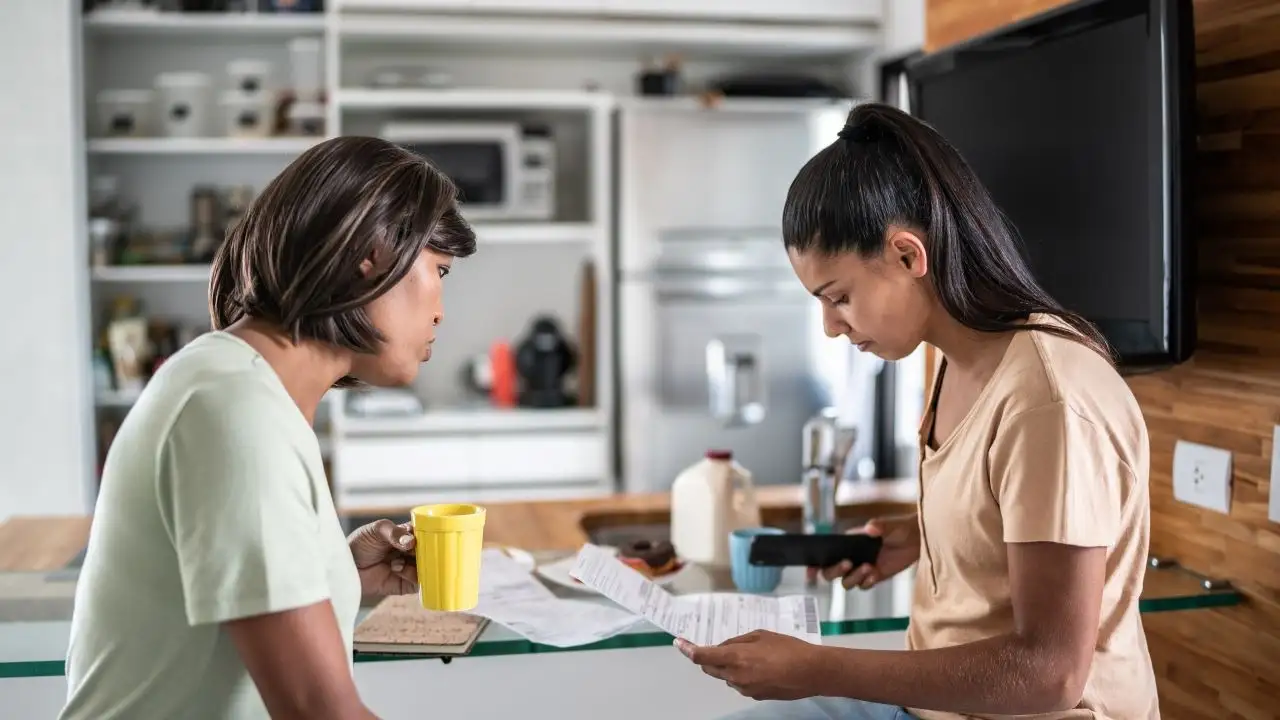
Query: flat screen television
column 1080, row 122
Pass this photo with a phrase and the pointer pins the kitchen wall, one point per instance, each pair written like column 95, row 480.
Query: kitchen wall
column 1213, row 664
column 45, row 462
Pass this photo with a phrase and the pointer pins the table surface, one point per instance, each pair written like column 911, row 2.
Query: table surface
column 38, row 573
column 35, row 612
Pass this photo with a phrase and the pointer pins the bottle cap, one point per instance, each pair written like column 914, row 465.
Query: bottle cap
column 719, row 454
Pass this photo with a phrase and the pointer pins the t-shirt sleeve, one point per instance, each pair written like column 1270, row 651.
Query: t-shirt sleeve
column 237, row 501
column 1057, row 479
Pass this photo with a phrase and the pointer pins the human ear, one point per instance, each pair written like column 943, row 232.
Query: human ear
column 906, row 251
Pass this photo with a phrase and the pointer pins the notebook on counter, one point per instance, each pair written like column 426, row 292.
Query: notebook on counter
column 400, row 626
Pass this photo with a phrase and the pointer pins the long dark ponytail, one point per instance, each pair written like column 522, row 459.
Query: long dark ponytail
column 890, row 168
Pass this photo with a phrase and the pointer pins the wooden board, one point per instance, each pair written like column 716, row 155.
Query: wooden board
column 1218, row 664
column 400, row 621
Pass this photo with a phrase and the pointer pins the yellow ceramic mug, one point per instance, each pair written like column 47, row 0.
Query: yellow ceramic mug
column 449, row 539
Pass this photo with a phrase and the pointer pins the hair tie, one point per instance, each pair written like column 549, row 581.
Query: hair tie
column 859, row 133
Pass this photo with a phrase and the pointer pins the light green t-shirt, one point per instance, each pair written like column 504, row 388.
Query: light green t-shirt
column 213, row 507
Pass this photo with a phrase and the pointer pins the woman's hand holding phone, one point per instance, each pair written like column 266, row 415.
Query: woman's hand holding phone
column 901, row 549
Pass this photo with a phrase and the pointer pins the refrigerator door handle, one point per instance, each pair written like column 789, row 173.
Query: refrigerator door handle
column 722, row 287
column 733, row 380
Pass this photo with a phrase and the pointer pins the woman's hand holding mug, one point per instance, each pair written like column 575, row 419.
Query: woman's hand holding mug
column 384, row 555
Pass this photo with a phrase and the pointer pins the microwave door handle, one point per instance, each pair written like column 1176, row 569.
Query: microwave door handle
column 712, row 288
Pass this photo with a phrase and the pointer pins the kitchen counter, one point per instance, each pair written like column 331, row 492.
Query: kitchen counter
column 35, row 608
column 51, row 543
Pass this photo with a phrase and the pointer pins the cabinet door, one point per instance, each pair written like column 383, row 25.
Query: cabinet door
column 581, row 6
column 405, row 5
column 794, row 10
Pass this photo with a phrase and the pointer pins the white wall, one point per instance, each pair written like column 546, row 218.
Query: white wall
column 903, row 25
column 45, row 457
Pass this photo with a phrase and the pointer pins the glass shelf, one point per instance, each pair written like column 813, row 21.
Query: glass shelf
column 35, row 613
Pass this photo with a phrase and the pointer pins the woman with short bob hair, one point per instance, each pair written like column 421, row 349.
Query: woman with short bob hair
column 218, row 581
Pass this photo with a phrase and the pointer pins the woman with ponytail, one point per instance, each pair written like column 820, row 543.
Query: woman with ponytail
column 1030, row 538
column 218, row 581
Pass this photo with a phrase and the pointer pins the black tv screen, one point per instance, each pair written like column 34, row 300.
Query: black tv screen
column 1080, row 124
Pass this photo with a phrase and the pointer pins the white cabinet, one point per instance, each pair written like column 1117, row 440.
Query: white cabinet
column 405, row 5
column 812, row 11
column 557, row 6
column 471, row 460
column 757, row 10
column 514, row 6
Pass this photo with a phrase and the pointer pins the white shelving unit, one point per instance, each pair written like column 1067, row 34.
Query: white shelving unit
column 564, row 63
column 200, row 146
column 168, row 25
column 356, row 99
column 151, row 273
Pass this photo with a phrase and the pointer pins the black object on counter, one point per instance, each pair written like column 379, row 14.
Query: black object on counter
column 543, row 359
column 775, row 85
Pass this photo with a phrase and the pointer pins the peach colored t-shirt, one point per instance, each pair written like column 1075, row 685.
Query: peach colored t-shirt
column 1055, row 449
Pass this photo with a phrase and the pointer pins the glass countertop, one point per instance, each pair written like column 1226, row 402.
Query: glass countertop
column 35, row 612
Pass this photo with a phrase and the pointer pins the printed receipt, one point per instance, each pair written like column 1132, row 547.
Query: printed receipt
column 701, row 619
column 511, row 597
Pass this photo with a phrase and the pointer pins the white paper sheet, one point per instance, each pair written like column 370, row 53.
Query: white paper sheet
column 701, row 619
column 511, row 597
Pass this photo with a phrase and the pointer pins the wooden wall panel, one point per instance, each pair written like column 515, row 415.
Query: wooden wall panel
column 1218, row 664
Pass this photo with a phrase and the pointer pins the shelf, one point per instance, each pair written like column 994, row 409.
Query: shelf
column 203, row 24
column 150, row 273
column 480, row 420
column 201, row 146
column 613, row 36
column 471, row 99
column 533, row 233
column 694, row 104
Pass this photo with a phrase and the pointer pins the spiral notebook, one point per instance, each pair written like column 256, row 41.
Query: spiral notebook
column 400, row 626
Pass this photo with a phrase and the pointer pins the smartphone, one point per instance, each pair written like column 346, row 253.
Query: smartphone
column 819, row 550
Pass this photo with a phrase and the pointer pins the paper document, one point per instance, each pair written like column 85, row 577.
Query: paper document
column 511, row 597
column 701, row 619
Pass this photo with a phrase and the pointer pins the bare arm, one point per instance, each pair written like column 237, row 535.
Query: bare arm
column 1040, row 667
column 297, row 662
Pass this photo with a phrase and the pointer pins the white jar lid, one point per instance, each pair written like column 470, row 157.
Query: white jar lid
column 233, row 98
column 302, row 110
column 125, row 96
column 182, row 79
column 248, row 66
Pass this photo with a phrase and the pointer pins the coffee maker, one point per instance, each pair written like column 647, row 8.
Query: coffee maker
column 544, row 358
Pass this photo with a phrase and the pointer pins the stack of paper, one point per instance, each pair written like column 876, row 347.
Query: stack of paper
column 511, row 597
column 700, row 619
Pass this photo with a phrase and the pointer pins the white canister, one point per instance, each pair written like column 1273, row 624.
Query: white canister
column 306, row 62
column 124, row 113
column 306, row 118
column 184, row 105
column 249, row 78
column 247, row 116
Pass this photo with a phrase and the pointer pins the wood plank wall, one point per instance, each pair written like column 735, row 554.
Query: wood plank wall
column 1213, row 664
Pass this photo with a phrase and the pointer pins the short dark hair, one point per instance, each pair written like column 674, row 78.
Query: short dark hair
column 889, row 168
column 294, row 258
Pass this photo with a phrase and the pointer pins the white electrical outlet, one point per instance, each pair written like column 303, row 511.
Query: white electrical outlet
column 1202, row 476
column 1273, row 509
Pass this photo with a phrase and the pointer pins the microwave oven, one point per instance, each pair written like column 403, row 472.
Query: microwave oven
column 503, row 170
